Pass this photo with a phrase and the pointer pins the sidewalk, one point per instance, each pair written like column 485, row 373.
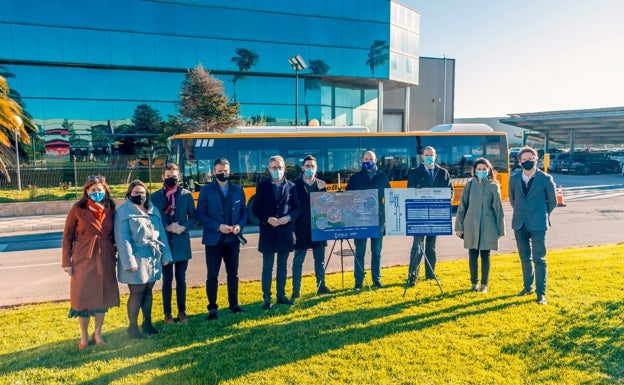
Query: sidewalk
column 10, row 226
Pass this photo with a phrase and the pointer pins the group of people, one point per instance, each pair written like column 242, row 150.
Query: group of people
column 147, row 237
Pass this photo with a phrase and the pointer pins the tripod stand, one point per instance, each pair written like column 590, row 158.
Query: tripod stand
column 420, row 255
column 342, row 254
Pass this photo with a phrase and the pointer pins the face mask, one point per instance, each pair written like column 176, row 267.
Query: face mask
column 170, row 182
column 222, row 177
column 309, row 172
column 138, row 199
column 97, row 196
column 429, row 160
column 368, row 166
column 481, row 174
column 528, row 165
column 277, row 174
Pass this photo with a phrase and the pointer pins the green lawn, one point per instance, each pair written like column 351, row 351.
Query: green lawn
column 373, row 337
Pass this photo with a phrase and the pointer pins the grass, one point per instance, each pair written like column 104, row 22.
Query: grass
column 373, row 337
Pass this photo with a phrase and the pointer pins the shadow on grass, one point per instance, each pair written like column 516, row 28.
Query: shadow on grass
column 225, row 349
column 590, row 340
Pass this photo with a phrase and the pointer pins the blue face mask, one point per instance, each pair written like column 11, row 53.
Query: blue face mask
column 309, row 172
column 481, row 174
column 368, row 166
column 97, row 196
column 277, row 174
column 429, row 160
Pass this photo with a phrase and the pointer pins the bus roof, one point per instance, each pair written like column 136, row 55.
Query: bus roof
column 293, row 129
column 462, row 127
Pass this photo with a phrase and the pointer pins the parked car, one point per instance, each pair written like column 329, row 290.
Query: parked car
column 556, row 161
column 589, row 163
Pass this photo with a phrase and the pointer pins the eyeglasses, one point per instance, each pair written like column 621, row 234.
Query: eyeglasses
column 97, row 178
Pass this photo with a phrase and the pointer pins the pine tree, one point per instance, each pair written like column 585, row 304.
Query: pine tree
column 203, row 103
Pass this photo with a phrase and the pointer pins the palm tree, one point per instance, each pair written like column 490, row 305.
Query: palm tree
column 245, row 60
column 10, row 112
column 377, row 55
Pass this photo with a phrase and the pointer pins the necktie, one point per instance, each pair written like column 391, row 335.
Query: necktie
column 431, row 174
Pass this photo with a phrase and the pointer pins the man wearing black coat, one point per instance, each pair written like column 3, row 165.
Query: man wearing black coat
column 427, row 174
column 276, row 205
column 370, row 178
column 306, row 184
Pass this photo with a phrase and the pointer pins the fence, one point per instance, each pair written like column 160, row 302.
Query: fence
column 59, row 178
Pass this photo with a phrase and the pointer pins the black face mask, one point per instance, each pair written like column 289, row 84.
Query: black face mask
column 171, row 182
column 138, row 199
column 528, row 165
column 222, row 177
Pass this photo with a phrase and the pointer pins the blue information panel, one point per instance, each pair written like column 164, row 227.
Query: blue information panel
column 350, row 214
column 425, row 211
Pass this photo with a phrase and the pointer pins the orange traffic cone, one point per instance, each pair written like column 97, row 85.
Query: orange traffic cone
column 560, row 201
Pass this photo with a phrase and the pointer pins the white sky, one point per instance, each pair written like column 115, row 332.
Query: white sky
column 527, row 56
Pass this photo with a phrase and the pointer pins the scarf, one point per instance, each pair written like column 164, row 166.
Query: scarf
column 170, row 194
column 97, row 210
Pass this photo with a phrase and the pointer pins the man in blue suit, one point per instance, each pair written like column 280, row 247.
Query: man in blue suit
column 532, row 194
column 221, row 208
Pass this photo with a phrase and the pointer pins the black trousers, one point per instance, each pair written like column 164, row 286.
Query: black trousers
column 228, row 253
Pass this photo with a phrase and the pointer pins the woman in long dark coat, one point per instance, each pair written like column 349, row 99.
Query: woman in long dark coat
column 89, row 258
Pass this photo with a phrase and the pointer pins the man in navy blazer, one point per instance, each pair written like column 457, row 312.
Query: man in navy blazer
column 222, row 209
column 427, row 174
column 276, row 205
column 532, row 194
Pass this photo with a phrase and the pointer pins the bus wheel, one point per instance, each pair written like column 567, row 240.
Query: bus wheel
column 252, row 219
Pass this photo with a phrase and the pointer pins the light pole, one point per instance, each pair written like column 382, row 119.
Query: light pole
column 298, row 64
column 18, row 124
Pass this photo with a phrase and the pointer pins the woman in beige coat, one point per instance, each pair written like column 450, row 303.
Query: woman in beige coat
column 480, row 221
column 88, row 256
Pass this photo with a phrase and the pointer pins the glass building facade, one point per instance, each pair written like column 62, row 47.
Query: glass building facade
column 95, row 61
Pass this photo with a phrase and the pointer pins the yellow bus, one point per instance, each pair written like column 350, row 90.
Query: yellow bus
column 338, row 154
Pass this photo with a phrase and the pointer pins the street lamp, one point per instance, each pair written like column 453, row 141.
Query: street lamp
column 298, row 64
column 18, row 124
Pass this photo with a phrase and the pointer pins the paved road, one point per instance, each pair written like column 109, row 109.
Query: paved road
column 594, row 215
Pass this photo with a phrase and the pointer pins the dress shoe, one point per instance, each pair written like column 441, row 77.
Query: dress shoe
column 97, row 342
column 285, row 301
column 323, row 290
column 148, row 328
column 212, row 314
column 182, row 318
column 474, row 287
column 541, row 299
column 169, row 320
column 378, row 285
column 411, row 282
column 526, row 292
column 483, row 288
column 296, row 294
column 133, row 331
column 267, row 305
column 236, row 309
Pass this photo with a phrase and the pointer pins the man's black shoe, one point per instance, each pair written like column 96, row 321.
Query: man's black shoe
column 285, row 301
column 267, row 305
column 212, row 314
column 378, row 285
column 236, row 309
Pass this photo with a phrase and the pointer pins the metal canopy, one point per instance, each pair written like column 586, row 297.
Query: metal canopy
column 593, row 126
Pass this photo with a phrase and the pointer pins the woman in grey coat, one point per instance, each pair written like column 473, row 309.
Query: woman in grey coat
column 480, row 220
column 142, row 251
